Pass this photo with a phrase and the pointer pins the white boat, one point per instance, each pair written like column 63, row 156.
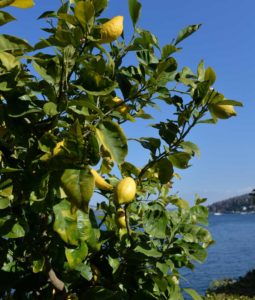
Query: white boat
column 217, row 214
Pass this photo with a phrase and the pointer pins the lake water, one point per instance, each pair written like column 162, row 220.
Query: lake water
column 231, row 256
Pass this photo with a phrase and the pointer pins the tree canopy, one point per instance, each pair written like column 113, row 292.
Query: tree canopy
column 64, row 101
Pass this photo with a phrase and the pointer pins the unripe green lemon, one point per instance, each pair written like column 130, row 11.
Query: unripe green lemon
column 111, row 30
column 125, row 191
column 222, row 111
column 120, row 218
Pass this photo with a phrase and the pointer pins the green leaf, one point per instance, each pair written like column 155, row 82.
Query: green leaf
column 17, row 231
column 231, row 102
column 84, row 12
column 167, row 50
column 66, row 223
column 150, row 252
column 167, row 131
column 152, row 144
column 114, row 263
column 155, row 220
column 5, row 18
column 134, row 10
column 39, row 187
column 187, row 31
column 165, row 170
column 162, row 267
column 201, row 70
column 180, row 160
column 13, row 44
column 68, row 18
column 201, row 91
column 112, row 137
column 50, row 109
column 9, row 61
column 85, row 271
column 100, row 5
column 96, row 84
column 210, row 75
column 168, row 65
column 193, row 294
column 86, row 230
column 181, row 203
column 43, row 72
column 190, row 148
column 78, row 186
column 76, row 256
column 85, row 103
column 6, row 192
column 4, row 202
column 47, row 14
column 38, row 265
column 127, row 169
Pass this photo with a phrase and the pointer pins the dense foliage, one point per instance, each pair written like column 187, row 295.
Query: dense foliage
column 63, row 103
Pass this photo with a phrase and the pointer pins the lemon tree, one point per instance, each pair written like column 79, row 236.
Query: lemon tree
column 64, row 105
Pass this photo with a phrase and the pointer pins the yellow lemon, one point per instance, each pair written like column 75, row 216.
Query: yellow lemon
column 100, row 182
column 222, row 111
column 125, row 191
column 17, row 3
column 120, row 218
column 111, row 30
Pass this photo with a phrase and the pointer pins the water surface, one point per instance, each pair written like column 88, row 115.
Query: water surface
column 231, row 256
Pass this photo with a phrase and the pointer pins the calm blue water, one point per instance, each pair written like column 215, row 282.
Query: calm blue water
column 231, row 256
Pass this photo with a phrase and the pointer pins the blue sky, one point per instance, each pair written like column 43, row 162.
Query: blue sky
column 226, row 42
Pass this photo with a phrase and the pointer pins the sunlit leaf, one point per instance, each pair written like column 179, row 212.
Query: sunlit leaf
column 38, row 265
column 155, row 221
column 66, row 222
column 76, row 256
column 78, row 186
column 113, row 139
column 192, row 293
column 13, row 44
column 151, row 252
column 187, row 31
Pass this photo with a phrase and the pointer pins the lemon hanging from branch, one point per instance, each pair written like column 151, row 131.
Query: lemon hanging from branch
column 111, row 29
column 17, row 3
column 120, row 218
column 125, row 191
column 100, row 182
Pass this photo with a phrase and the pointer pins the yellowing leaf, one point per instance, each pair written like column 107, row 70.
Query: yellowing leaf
column 112, row 137
column 66, row 223
column 78, row 186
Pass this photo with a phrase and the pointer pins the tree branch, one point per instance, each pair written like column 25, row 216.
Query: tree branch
column 58, row 284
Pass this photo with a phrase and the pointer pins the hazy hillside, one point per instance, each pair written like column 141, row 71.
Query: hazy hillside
column 243, row 203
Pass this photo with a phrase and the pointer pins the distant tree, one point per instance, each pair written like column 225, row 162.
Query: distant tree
column 63, row 105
